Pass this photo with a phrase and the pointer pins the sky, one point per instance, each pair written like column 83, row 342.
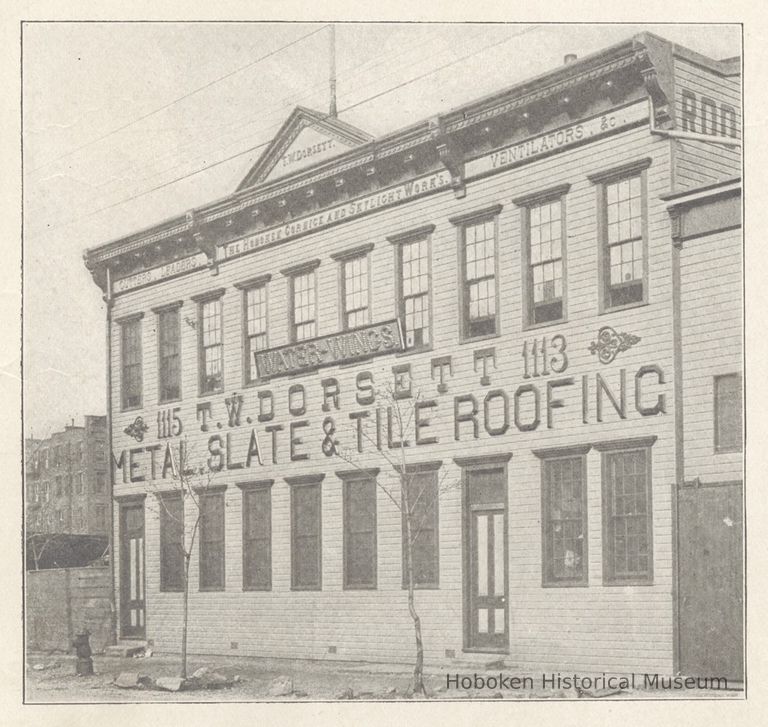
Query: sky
column 121, row 120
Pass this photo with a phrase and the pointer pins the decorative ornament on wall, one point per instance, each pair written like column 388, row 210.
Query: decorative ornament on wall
column 136, row 429
column 609, row 344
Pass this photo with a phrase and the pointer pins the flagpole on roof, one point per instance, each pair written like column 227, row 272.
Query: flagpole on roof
column 332, row 52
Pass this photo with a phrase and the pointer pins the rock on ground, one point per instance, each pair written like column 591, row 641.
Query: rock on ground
column 127, row 680
column 281, row 686
column 169, row 684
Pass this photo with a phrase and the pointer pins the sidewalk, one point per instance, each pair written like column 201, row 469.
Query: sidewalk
column 56, row 681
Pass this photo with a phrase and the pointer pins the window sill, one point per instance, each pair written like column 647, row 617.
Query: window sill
column 311, row 589
column 545, row 324
column 425, row 587
column 479, row 339
column 138, row 407
column 626, row 306
column 257, row 590
column 165, row 402
column 728, row 451
column 485, row 650
column 613, row 584
column 360, row 588
column 212, row 590
column 579, row 584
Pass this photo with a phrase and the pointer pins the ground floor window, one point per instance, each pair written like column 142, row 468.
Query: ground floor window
column 171, row 542
column 420, row 496
column 257, row 536
column 211, row 541
column 306, row 532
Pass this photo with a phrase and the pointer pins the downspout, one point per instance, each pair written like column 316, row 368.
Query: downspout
column 108, row 299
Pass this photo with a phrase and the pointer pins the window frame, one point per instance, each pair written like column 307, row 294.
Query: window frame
column 124, row 324
column 601, row 180
column 433, row 470
column 608, row 449
column 718, row 448
column 249, row 489
column 419, row 234
column 205, row 496
column 344, row 257
column 306, row 482
column 260, row 282
column 351, row 478
column 161, row 312
column 202, row 300
column 292, row 273
column 462, row 222
column 526, row 204
column 165, row 517
column 547, row 456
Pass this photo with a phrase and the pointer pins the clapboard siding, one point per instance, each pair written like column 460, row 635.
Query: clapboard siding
column 596, row 627
column 699, row 163
column 711, row 311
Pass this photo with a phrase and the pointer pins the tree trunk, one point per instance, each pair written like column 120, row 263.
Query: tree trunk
column 418, row 668
column 185, row 618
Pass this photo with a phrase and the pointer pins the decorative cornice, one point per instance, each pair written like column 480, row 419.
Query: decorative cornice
column 463, row 219
column 544, row 195
column 576, row 450
column 416, row 468
column 299, row 480
column 305, row 267
column 353, row 252
column 130, row 318
column 166, row 307
column 625, row 170
column 483, row 459
column 255, row 282
column 209, row 489
column 208, row 295
column 613, row 445
column 358, row 474
column 255, row 484
column 411, row 234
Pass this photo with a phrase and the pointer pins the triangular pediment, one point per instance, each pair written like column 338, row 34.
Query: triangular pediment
column 306, row 138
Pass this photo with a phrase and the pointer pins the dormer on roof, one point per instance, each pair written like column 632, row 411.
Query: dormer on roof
column 306, row 137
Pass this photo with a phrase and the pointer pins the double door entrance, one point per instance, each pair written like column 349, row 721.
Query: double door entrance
column 486, row 612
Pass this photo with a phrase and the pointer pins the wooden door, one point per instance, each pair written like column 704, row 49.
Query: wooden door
column 486, row 587
column 132, row 604
column 710, row 580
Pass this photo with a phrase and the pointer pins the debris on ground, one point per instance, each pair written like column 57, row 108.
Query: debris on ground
column 281, row 686
column 127, row 680
column 345, row 694
column 169, row 684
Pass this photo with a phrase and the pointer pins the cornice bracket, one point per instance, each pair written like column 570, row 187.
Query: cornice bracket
column 451, row 156
column 204, row 242
column 656, row 68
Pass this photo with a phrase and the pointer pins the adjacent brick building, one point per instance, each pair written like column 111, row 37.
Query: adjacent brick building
column 67, row 480
column 511, row 273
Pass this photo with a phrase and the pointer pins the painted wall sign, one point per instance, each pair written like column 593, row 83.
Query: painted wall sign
column 346, row 211
column 558, row 139
column 310, row 146
column 161, row 273
column 339, row 348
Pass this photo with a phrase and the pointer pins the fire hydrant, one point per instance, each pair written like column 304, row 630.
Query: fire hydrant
column 84, row 666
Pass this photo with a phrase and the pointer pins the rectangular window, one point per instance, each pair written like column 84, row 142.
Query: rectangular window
column 413, row 266
column 306, row 539
column 424, row 506
column 479, row 294
column 544, row 257
column 360, row 532
column 58, row 486
column 99, row 482
column 623, row 234
column 169, row 354
column 728, row 413
column 257, row 538
column 255, row 301
column 303, row 293
column 101, row 517
column 79, row 485
column 59, row 520
column 171, row 543
column 627, row 516
column 212, row 541
column 354, row 277
column 210, row 339
column 131, row 363
column 564, row 521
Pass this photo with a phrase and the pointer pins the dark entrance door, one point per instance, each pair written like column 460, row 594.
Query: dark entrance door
column 486, row 617
column 132, row 610
column 710, row 581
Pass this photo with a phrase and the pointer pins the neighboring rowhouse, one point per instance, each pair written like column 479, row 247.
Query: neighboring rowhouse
column 509, row 271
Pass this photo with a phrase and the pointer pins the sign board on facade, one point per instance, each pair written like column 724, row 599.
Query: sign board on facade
column 339, row 348
column 346, row 211
column 558, row 139
column 153, row 275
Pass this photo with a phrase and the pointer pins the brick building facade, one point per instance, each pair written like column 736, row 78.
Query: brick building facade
column 508, row 274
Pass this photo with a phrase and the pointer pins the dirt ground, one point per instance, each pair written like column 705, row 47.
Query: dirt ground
column 56, row 681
